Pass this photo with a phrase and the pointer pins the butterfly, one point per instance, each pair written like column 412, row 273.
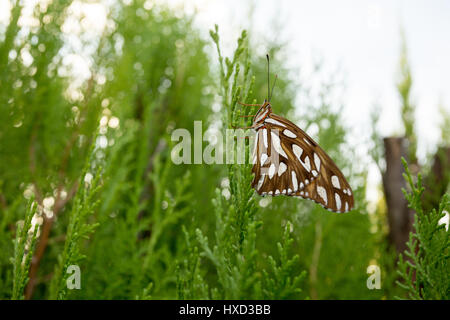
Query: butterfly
column 287, row 161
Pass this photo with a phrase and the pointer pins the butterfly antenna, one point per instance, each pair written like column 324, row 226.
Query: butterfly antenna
column 268, row 77
column 273, row 86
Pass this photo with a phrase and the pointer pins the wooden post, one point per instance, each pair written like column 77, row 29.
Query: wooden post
column 400, row 217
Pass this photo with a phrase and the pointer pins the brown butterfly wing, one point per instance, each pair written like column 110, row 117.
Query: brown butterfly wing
column 273, row 167
column 310, row 173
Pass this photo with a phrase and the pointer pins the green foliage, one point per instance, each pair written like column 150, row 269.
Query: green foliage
column 233, row 260
column 152, row 66
column 23, row 251
column 190, row 278
column 424, row 266
column 407, row 110
column 376, row 150
column 279, row 281
column 78, row 230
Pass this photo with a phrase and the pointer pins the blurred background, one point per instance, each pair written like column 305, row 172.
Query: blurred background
column 90, row 92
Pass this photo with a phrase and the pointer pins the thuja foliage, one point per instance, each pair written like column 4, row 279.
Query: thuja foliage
column 424, row 266
column 147, row 72
column 24, row 246
column 79, row 228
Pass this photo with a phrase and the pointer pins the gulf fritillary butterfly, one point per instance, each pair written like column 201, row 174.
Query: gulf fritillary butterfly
column 289, row 162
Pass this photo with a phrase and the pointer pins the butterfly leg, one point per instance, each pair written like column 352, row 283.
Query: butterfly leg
column 251, row 127
column 250, row 105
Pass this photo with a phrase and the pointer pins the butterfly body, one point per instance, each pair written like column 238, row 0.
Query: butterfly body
column 289, row 162
column 263, row 112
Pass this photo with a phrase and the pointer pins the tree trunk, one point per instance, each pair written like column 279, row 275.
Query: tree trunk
column 400, row 217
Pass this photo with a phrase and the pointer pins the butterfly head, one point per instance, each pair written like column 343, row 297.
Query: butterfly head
column 262, row 114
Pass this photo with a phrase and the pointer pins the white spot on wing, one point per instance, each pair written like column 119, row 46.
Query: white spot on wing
column 338, row 201
column 294, row 181
column 277, row 144
column 322, row 193
column 263, row 158
column 282, row 168
column 271, row 171
column 317, row 161
column 335, row 182
column 260, row 182
column 297, row 151
column 289, row 133
column 306, row 164
column 265, row 138
column 273, row 121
